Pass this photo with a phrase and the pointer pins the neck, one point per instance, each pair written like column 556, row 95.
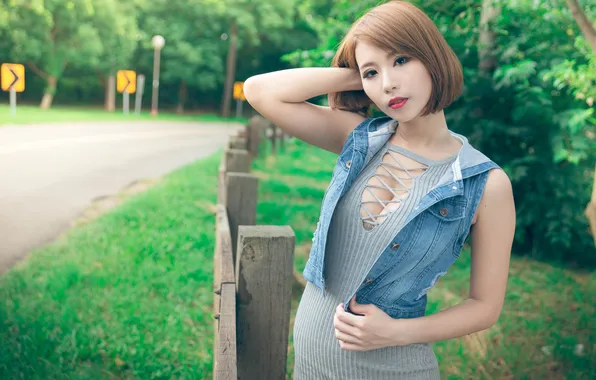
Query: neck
column 424, row 131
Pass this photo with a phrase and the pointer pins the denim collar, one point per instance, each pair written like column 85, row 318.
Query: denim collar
column 468, row 162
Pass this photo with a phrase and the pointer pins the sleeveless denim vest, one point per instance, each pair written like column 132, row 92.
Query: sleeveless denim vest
column 433, row 234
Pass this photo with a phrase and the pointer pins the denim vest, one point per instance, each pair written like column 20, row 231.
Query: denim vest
column 433, row 234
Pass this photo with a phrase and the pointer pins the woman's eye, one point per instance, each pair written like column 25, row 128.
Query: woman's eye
column 369, row 73
column 401, row 60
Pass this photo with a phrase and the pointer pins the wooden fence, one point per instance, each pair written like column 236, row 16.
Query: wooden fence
column 253, row 269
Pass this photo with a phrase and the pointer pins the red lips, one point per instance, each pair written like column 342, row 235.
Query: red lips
column 397, row 102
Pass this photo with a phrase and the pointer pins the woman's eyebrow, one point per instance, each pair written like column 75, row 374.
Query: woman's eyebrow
column 366, row 65
column 372, row 63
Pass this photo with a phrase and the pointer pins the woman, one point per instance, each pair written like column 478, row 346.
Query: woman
column 405, row 194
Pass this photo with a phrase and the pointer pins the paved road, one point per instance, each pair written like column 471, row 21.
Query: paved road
column 50, row 173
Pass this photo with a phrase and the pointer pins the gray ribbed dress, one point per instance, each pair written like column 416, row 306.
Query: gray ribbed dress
column 351, row 251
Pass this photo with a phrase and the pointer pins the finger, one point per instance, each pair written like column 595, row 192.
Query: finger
column 350, row 346
column 354, row 306
column 347, row 338
column 347, row 329
column 358, row 308
column 353, row 302
column 348, row 318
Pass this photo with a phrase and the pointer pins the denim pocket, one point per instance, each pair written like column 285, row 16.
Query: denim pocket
column 450, row 209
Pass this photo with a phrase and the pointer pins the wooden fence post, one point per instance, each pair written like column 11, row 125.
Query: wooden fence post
column 282, row 138
column 236, row 142
column 237, row 161
column 264, row 290
column 273, row 137
column 256, row 127
column 241, row 200
column 233, row 160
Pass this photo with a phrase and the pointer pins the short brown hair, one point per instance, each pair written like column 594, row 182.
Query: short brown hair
column 400, row 27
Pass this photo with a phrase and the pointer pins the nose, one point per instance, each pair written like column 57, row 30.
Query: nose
column 389, row 83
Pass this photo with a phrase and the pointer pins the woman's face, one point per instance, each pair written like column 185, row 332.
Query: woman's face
column 399, row 85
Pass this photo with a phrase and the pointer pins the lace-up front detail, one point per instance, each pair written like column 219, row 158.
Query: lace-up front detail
column 389, row 186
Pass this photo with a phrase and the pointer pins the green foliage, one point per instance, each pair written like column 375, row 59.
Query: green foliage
column 55, row 34
column 78, row 39
column 534, row 116
column 533, row 113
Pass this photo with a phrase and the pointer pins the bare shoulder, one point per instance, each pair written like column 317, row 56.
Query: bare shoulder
column 497, row 199
column 498, row 184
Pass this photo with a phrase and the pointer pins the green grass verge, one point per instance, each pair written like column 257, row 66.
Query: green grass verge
column 35, row 115
column 125, row 296
column 129, row 294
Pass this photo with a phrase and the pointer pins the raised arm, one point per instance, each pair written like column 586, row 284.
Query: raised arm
column 281, row 96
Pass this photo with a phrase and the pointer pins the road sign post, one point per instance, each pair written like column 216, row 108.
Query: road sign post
column 125, row 99
column 13, row 102
column 239, row 107
column 239, row 96
column 139, row 93
column 158, row 43
column 126, row 83
column 12, row 78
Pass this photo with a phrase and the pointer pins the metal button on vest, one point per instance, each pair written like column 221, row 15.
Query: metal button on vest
column 349, row 163
column 368, row 281
column 394, row 246
column 444, row 212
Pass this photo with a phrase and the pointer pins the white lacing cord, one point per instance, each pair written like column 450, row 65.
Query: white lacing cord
column 371, row 220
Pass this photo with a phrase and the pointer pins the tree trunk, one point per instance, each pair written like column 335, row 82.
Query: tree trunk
column 582, row 21
column 487, row 38
column 110, row 94
column 182, row 96
column 590, row 33
column 230, row 70
column 591, row 210
column 48, row 96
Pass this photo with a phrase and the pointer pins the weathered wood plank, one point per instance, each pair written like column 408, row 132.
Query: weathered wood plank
column 237, row 161
column 223, row 272
column 226, row 366
column 221, row 181
column 273, row 137
column 237, row 143
column 224, row 243
column 241, row 201
column 264, row 284
column 256, row 130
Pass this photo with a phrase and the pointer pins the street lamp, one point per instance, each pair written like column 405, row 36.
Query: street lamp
column 158, row 42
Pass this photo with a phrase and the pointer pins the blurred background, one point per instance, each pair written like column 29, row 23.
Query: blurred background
column 528, row 100
column 528, row 103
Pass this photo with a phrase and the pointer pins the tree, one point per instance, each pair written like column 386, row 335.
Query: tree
column 583, row 22
column 193, row 54
column 50, row 36
column 255, row 21
column 516, row 107
column 117, row 29
column 487, row 38
column 589, row 33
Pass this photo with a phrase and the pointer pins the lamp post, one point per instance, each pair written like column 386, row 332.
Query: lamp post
column 158, row 42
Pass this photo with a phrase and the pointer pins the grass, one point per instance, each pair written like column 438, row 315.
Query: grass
column 129, row 295
column 34, row 115
column 126, row 296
